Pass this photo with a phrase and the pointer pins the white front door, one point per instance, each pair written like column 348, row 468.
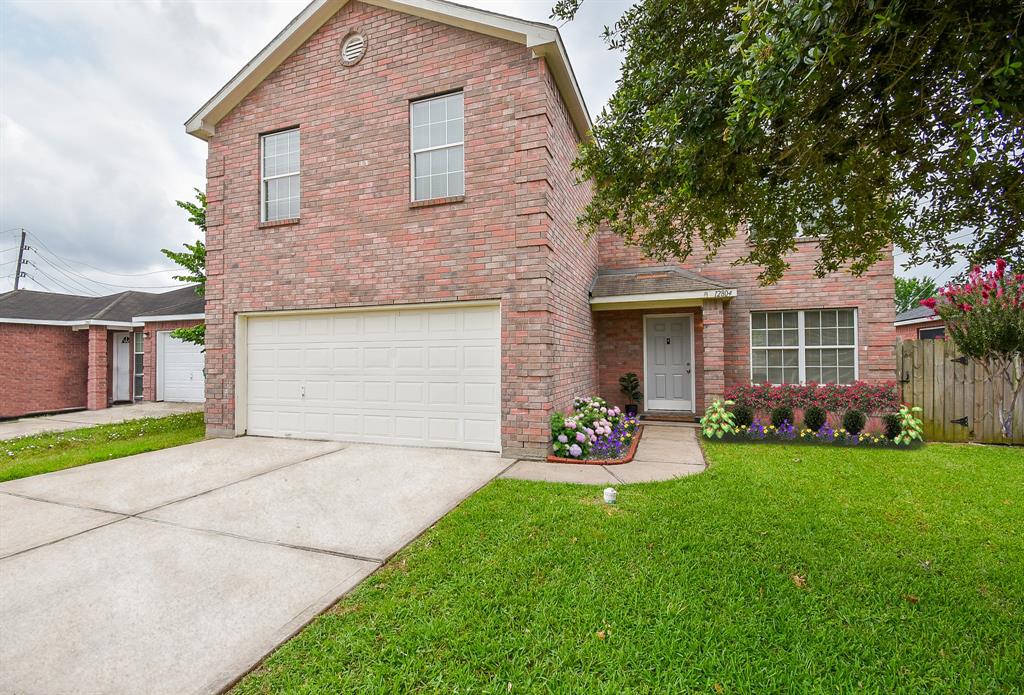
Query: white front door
column 421, row 377
column 668, row 362
column 179, row 370
column 122, row 366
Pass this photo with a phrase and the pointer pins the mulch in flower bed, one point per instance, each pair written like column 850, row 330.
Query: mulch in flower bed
column 630, row 453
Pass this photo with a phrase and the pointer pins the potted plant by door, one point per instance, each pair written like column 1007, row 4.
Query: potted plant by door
column 629, row 384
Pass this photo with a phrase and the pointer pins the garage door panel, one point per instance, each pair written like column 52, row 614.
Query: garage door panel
column 410, row 393
column 377, row 357
column 427, row 377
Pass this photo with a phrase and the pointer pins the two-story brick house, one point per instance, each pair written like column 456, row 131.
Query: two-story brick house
column 393, row 254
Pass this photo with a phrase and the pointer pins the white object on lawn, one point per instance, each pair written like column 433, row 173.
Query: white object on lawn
column 610, row 495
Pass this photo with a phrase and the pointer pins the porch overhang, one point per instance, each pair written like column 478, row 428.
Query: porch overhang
column 663, row 300
column 658, row 287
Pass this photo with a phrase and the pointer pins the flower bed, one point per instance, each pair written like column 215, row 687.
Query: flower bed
column 593, row 433
column 902, row 429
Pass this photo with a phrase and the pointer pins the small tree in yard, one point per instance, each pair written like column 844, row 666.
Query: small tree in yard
column 985, row 319
column 193, row 260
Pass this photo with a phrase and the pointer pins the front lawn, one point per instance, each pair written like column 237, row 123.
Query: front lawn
column 782, row 568
column 44, row 453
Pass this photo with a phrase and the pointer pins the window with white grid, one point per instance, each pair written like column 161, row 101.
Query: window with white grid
column 279, row 171
column 795, row 347
column 437, row 147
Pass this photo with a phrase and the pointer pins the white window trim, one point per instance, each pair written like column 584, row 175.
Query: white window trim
column 264, row 178
column 801, row 347
column 413, row 151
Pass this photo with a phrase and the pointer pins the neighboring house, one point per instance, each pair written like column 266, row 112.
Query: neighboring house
column 393, row 254
column 65, row 352
column 920, row 323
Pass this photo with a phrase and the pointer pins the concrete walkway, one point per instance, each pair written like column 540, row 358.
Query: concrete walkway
column 665, row 452
column 61, row 422
column 175, row 571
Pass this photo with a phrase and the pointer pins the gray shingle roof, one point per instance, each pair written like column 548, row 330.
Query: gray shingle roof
column 918, row 312
column 121, row 307
column 650, row 280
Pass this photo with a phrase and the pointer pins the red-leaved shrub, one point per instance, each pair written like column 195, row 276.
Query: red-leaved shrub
column 834, row 398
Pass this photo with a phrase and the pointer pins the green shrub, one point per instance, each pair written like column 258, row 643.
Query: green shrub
column 815, row 417
column 891, row 422
column 854, row 421
column 782, row 414
column 743, row 416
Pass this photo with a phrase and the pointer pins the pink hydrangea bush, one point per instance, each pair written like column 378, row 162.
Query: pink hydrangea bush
column 984, row 318
column 575, row 435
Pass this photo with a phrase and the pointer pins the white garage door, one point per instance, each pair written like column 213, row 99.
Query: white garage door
column 180, row 370
column 425, row 377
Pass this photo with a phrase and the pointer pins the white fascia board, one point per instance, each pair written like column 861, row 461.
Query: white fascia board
column 73, row 324
column 542, row 38
column 665, row 297
column 203, row 122
column 169, row 317
column 910, row 322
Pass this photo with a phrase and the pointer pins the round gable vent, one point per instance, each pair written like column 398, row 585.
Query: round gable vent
column 352, row 49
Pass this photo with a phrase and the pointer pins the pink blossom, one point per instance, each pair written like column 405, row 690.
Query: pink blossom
column 930, row 302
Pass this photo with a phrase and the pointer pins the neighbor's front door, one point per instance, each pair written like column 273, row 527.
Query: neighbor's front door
column 122, row 360
column 669, row 363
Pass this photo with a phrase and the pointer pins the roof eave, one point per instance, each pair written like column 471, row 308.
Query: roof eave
column 659, row 299
column 168, row 317
column 544, row 40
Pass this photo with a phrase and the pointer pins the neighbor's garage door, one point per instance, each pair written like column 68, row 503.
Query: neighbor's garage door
column 180, row 370
column 427, row 377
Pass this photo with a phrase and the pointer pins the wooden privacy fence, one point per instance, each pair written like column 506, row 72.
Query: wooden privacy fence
column 958, row 401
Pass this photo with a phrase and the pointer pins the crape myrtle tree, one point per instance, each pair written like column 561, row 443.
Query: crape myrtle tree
column 984, row 317
column 862, row 123
column 193, row 260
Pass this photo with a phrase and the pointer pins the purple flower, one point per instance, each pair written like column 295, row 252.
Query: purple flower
column 575, row 450
column 580, row 437
column 562, row 438
column 571, row 424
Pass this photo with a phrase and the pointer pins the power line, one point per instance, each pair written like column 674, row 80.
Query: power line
column 80, row 286
column 52, row 279
column 66, row 269
column 124, row 275
column 29, row 277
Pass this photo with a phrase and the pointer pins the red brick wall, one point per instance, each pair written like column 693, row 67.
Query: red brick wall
column 149, row 362
column 42, row 368
column 872, row 294
column 909, row 331
column 361, row 243
column 620, row 349
column 573, row 261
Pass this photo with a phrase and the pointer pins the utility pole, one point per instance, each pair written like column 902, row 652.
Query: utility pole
column 21, row 255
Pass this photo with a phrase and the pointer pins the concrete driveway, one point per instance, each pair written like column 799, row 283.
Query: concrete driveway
column 61, row 422
column 175, row 571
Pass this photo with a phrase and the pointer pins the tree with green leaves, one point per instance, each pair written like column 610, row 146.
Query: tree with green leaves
column 861, row 123
column 910, row 292
column 193, row 260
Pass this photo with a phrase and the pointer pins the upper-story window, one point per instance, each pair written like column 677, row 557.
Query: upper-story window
column 279, row 173
column 437, row 147
column 795, row 347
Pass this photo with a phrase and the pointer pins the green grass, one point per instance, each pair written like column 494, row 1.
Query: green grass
column 32, row 455
column 780, row 569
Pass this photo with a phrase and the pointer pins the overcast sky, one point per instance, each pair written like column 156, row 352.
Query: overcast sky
column 93, row 96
